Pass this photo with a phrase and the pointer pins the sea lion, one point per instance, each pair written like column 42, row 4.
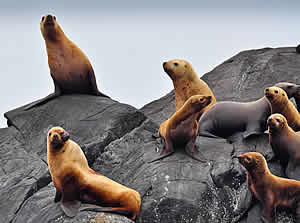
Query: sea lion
column 228, row 119
column 292, row 91
column 182, row 128
column 186, row 82
column 280, row 103
column 270, row 190
column 70, row 68
column 76, row 182
column 285, row 143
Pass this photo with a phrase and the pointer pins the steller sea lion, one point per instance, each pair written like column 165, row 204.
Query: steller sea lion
column 285, row 143
column 70, row 68
column 182, row 127
column 76, row 182
column 186, row 83
column 280, row 103
column 226, row 119
column 270, row 190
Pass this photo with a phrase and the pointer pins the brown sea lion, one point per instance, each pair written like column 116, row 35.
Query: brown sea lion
column 182, row 128
column 186, row 82
column 76, row 182
column 228, row 119
column 280, row 103
column 270, row 190
column 292, row 91
column 285, row 143
column 70, row 68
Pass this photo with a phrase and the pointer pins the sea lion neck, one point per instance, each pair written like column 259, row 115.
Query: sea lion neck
column 54, row 35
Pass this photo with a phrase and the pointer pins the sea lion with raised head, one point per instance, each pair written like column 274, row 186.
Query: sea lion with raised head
column 270, row 190
column 186, row 82
column 182, row 128
column 77, row 183
column 285, row 143
column 70, row 68
column 280, row 103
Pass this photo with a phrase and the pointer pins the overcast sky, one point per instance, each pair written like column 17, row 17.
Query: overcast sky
column 127, row 41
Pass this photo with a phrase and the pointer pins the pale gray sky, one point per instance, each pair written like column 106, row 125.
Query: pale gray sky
column 127, row 41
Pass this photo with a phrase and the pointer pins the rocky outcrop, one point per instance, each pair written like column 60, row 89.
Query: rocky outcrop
column 118, row 142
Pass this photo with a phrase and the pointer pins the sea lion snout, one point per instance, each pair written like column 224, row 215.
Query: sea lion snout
column 65, row 136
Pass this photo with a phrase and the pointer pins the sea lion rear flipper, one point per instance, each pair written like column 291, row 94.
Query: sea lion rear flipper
column 96, row 208
column 166, row 151
column 92, row 80
column 70, row 208
column 56, row 93
column 193, row 152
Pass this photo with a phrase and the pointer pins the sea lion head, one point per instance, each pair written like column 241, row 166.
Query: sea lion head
column 276, row 123
column 49, row 27
column 253, row 161
column 198, row 102
column 177, row 69
column 292, row 90
column 275, row 95
column 57, row 137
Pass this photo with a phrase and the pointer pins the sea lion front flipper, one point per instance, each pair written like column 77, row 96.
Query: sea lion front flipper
column 166, row 151
column 92, row 80
column 70, row 208
column 57, row 92
column 193, row 152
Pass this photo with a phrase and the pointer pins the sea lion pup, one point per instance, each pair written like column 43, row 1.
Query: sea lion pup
column 186, row 82
column 182, row 127
column 280, row 103
column 227, row 119
column 76, row 182
column 70, row 68
column 270, row 190
column 285, row 143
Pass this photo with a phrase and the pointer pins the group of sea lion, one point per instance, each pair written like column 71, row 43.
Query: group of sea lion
column 197, row 113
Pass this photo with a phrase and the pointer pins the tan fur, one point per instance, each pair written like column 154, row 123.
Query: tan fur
column 71, row 161
column 270, row 190
column 280, row 103
column 70, row 68
column 186, row 82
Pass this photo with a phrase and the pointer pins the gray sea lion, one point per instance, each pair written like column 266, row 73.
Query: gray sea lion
column 228, row 119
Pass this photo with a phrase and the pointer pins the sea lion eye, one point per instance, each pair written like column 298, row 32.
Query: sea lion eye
column 43, row 18
column 276, row 92
column 49, row 133
column 54, row 17
column 201, row 99
column 277, row 119
column 176, row 64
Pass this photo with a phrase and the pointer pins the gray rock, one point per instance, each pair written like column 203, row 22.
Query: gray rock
column 118, row 142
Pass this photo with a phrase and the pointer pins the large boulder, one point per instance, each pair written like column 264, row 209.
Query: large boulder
column 118, row 142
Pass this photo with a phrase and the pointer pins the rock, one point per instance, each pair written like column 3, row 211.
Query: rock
column 118, row 142
column 241, row 78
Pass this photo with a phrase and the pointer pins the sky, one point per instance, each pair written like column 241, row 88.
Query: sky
column 127, row 41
